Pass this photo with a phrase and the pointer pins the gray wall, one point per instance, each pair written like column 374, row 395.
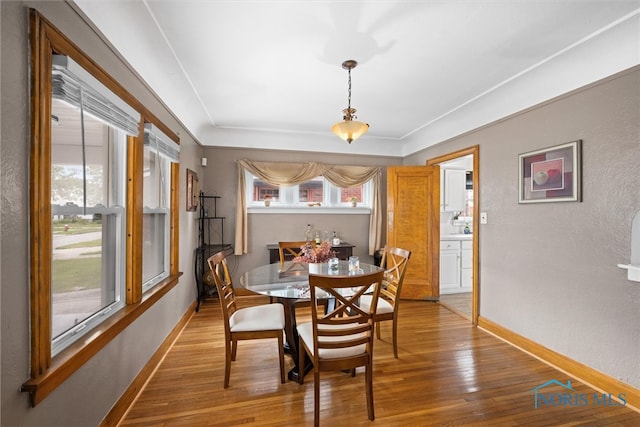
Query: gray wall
column 220, row 179
column 549, row 271
column 87, row 396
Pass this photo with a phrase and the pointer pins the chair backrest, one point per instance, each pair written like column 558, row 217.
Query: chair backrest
column 346, row 325
column 218, row 265
column 288, row 250
column 394, row 261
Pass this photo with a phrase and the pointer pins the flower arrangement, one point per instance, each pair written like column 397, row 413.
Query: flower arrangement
column 312, row 253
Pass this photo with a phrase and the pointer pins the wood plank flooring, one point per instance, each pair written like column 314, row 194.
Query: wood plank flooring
column 458, row 303
column 448, row 374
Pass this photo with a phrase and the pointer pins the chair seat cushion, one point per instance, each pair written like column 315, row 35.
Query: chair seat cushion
column 264, row 317
column 305, row 331
column 384, row 306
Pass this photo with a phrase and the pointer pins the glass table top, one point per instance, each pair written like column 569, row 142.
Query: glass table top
column 292, row 279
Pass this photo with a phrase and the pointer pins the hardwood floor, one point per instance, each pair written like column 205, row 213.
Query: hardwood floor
column 458, row 303
column 448, row 373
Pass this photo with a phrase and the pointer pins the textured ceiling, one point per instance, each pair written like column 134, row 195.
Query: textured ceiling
column 268, row 74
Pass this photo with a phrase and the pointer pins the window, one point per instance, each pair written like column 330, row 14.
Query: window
column 88, row 201
column 315, row 191
column 468, row 206
column 365, row 179
column 312, row 191
column 348, row 195
column 88, row 219
column 260, row 189
column 159, row 152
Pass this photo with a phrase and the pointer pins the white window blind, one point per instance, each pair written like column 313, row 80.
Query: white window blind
column 165, row 146
column 73, row 84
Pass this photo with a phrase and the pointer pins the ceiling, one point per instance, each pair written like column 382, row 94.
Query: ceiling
column 267, row 74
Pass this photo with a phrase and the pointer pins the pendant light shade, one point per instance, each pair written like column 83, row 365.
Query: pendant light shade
column 349, row 129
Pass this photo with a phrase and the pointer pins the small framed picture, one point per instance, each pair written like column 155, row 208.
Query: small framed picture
column 192, row 190
column 551, row 174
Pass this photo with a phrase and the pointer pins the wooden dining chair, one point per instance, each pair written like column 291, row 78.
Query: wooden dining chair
column 289, row 250
column 341, row 338
column 394, row 261
column 262, row 321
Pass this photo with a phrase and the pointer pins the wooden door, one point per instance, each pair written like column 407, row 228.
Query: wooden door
column 413, row 223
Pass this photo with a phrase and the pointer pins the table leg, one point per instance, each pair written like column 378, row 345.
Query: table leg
column 291, row 346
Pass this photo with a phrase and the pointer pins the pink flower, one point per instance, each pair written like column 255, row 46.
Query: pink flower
column 312, row 253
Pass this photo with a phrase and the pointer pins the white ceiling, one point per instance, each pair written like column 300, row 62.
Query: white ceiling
column 267, row 74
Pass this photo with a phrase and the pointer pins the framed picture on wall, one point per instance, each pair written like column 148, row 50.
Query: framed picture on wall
column 192, row 190
column 551, row 174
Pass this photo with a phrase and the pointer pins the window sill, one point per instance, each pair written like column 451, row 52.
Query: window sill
column 76, row 355
column 306, row 210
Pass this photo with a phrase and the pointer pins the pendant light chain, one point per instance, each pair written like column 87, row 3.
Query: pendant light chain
column 349, row 99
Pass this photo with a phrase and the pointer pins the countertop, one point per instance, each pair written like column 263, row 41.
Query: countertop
column 456, row 236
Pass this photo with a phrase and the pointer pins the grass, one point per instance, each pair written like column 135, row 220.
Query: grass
column 73, row 274
column 70, row 275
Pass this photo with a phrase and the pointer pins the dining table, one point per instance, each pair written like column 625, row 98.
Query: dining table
column 288, row 283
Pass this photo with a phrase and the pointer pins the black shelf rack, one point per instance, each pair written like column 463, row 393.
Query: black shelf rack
column 210, row 241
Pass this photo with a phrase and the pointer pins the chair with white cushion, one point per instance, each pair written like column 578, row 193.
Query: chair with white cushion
column 342, row 338
column 394, row 261
column 262, row 321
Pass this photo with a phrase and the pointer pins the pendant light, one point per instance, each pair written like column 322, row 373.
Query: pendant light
column 349, row 129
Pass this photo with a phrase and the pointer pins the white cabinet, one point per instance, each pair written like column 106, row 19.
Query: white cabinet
column 452, row 189
column 449, row 266
column 455, row 266
column 466, row 265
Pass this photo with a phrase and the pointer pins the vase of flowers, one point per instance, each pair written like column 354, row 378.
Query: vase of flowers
column 267, row 200
column 313, row 253
column 354, row 201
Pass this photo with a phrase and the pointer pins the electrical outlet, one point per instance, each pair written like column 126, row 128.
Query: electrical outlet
column 483, row 217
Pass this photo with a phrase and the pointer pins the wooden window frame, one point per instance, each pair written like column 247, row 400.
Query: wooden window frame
column 48, row 372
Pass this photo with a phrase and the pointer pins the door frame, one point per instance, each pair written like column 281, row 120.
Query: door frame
column 475, row 280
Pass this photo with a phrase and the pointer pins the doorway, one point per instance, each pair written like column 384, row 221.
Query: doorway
column 459, row 233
